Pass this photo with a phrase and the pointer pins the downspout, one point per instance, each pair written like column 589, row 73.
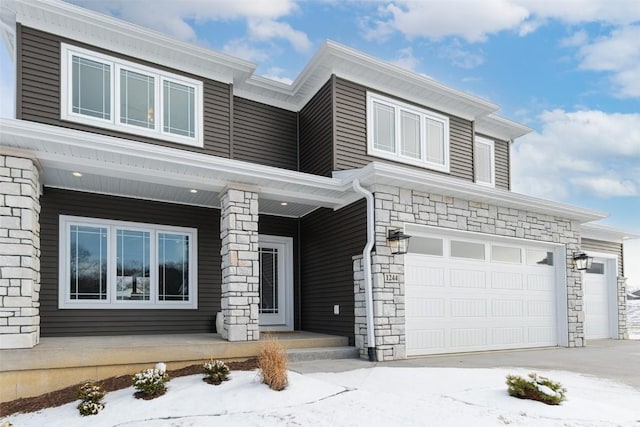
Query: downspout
column 366, row 259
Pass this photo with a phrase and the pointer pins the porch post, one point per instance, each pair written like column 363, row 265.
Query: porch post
column 240, row 264
column 19, row 253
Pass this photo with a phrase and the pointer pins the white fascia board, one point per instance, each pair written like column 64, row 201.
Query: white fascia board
column 606, row 233
column 386, row 174
column 499, row 127
column 77, row 23
column 52, row 144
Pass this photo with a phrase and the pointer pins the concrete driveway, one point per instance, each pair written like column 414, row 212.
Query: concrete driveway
column 618, row 360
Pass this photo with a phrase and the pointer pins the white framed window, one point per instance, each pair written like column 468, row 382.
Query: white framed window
column 100, row 90
column 484, row 161
column 408, row 134
column 107, row 264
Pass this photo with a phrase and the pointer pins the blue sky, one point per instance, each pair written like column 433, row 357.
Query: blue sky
column 569, row 69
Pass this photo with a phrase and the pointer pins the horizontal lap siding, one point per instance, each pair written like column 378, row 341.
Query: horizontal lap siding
column 329, row 241
column 351, row 134
column 39, row 99
column 606, row 247
column 264, row 134
column 316, row 133
column 501, row 151
column 72, row 322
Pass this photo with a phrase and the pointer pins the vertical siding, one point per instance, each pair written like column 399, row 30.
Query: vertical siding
column 351, row 133
column 264, row 134
column 39, row 85
column 606, row 247
column 72, row 322
column 316, row 133
column 503, row 165
column 329, row 241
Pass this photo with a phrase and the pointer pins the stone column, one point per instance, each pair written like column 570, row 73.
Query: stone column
column 623, row 334
column 575, row 293
column 240, row 264
column 19, row 253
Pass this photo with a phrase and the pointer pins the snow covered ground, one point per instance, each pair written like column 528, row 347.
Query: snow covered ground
column 377, row 396
column 633, row 319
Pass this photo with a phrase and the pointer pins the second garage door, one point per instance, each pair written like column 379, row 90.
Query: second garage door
column 468, row 295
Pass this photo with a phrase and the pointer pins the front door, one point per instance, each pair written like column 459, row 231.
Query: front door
column 276, row 282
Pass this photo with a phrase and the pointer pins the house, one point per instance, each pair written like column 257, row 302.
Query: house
column 148, row 184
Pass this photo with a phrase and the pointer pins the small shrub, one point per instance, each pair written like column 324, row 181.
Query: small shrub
column 215, row 371
column 150, row 383
column 272, row 365
column 537, row 388
column 88, row 407
column 91, row 395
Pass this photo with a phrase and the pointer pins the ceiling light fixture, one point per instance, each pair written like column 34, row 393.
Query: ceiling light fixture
column 283, row 203
column 193, row 191
column 77, row 174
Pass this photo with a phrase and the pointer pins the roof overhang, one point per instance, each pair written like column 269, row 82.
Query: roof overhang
column 385, row 174
column 606, row 233
column 133, row 169
column 500, row 127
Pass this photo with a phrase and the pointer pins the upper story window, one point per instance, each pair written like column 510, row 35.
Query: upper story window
column 407, row 134
column 484, row 161
column 117, row 264
column 112, row 93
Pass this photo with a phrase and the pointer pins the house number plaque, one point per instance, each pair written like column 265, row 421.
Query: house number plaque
column 390, row 278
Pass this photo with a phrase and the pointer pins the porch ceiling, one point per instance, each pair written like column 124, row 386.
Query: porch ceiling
column 127, row 168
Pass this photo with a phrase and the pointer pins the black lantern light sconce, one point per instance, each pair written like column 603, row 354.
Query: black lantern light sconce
column 398, row 241
column 582, row 261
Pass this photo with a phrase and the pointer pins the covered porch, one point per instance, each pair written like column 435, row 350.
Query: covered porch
column 59, row 362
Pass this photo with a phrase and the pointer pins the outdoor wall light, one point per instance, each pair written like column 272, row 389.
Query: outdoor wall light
column 398, row 241
column 582, row 261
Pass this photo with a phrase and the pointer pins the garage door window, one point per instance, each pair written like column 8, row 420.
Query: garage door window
column 538, row 257
column 506, row 254
column 468, row 250
column 596, row 268
column 425, row 246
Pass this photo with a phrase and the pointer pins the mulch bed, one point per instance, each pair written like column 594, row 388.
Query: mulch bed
column 69, row 394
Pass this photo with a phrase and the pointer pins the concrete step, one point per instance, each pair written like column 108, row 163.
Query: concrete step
column 322, row 353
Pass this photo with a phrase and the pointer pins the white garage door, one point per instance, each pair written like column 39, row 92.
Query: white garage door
column 596, row 301
column 465, row 295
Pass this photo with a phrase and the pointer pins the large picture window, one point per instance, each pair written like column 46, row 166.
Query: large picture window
column 112, row 93
column 116, row 264
column 407, row 134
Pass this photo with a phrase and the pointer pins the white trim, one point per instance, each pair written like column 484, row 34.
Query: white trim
column 478, row 140
column 286, row 245
column 424, row 115
column 611, row 278
column 117, row 64
column 65, row 302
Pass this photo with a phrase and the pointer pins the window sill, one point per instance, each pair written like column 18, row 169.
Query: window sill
column 408, row 161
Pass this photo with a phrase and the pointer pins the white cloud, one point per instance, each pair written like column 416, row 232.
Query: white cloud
column 267, row 29
column 460, row 57
column 578, row 38
column 579, row 153
column 406, row 59
column 7, row 83
column 243, row 49
column 617, row 12
column 619, row 54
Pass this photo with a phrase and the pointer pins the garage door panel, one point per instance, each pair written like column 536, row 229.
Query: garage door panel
column 596, row 303
column 468, row 279
column 482, row 305
column 506, row 280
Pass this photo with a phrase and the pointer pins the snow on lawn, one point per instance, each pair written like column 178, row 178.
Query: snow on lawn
column 373, row 396
column 633, row 319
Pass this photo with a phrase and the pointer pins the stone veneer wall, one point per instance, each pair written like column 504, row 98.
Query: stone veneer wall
column 19, row 253
column 240, row 265
column 623, row 334
column 394, row 207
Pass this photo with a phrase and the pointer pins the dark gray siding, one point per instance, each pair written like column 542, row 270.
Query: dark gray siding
column 329, row 241
column 55, row 322
column 606, row 247
column 501, row 151
column 316, row 133
column 39, row 86
column 351, row 133
column 264, row 134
